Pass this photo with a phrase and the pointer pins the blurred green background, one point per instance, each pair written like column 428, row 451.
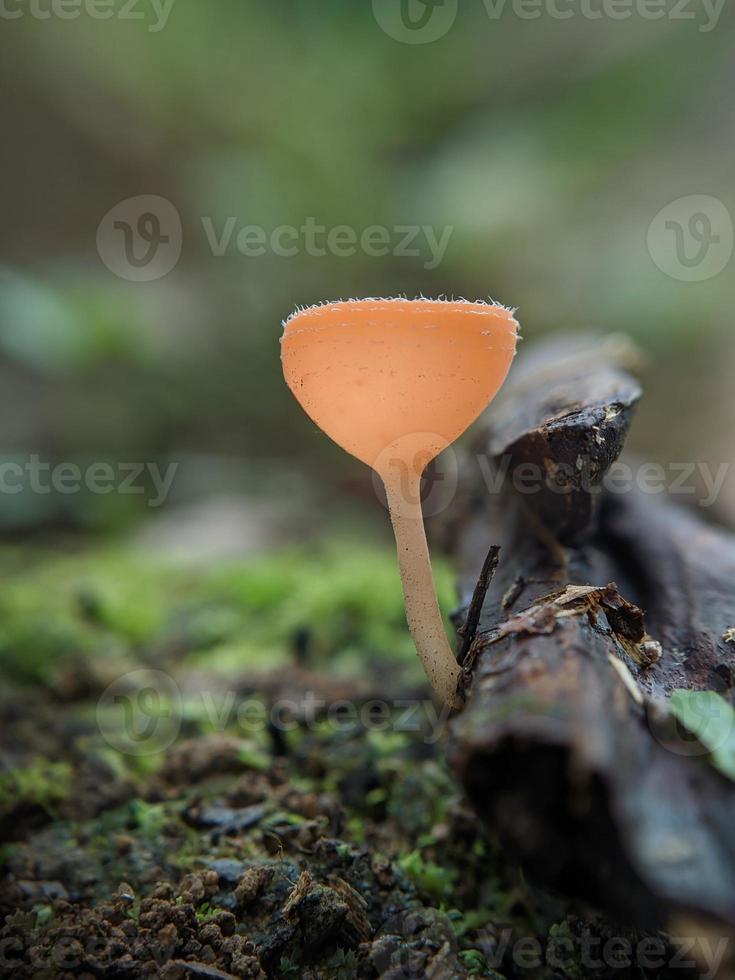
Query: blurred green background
column 546, row 147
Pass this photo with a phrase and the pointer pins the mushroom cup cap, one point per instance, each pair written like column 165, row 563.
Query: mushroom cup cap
column 387, row 378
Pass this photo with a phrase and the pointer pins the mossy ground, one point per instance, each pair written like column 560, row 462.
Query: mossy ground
column 177, row 829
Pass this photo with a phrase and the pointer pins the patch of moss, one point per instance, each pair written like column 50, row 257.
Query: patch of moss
column 431, row 879
column 80, row 605
column 343, row 600
column 149, row 818
column 41, row 784
column 474, row 962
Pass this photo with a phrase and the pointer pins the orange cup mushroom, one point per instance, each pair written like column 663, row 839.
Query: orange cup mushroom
column 394, row 382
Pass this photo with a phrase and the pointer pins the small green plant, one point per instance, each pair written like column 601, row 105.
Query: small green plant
column 429, row 878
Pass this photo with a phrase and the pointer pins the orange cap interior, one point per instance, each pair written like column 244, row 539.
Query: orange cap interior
column 386, row 378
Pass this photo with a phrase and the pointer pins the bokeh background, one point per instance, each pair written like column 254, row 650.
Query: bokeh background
column 547, row 146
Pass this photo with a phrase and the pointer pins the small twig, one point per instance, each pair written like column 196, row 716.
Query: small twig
column 513, row 593
column 478, row 598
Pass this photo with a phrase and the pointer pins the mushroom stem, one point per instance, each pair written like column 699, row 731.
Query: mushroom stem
column 403, row 491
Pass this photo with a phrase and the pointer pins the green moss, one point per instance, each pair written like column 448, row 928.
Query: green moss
column 149, row 818
column 44, row 784
column 205, row 912
column 242, row 614
column 355, row 827
column 471, row 920
column 44, row 915
column 473, row 961
column 346, row 596
column 254, row 757
column 430, row 879
column 81, row 605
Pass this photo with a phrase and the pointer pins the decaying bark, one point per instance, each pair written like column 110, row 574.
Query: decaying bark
column 602, row 605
